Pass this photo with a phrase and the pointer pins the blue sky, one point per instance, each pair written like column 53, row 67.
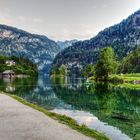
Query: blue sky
column 65, row 19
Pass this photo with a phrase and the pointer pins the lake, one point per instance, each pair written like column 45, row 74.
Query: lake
column 107, row 108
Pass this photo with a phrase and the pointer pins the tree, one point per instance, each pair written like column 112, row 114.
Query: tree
column 106, row 64
column 88, row 71
column 24, row 66
column 131, row 63
column 63, row 70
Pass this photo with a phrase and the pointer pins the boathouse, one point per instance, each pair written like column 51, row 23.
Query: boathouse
column 8, row 74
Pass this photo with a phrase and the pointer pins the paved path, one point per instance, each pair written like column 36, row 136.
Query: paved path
column 20, row 122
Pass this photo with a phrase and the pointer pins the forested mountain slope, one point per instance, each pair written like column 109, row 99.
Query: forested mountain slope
column 123, row 37
column 131, row 63
column 37, row 48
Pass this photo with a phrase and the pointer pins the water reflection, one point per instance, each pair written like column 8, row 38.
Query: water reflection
column 104, row 107
column 92, row 121
column 118, row 107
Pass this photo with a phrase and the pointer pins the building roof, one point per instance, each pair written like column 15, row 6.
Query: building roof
column 8, row 71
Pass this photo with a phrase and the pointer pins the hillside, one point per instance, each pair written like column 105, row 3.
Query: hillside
column 37, row 48
column 123, row 37
column 131, row 63
column 18, row 65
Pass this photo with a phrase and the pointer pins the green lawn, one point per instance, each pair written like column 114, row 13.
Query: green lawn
column 127, row 77
column 130, row 86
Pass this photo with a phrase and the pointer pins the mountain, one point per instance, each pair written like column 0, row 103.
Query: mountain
column 39, row 49
column 123, row 37
column 67, row 43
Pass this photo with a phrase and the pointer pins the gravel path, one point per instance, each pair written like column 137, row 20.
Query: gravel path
column 20, row 122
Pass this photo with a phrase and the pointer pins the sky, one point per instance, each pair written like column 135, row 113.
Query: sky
column 65, row 19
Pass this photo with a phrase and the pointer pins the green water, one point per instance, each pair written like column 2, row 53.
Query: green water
column 107, row 108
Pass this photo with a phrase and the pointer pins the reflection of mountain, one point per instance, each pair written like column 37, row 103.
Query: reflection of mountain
column 36, row 91
column 101, row 100
column 104, row 101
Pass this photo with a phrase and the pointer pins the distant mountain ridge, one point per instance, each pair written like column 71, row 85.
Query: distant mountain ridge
column 38, row 48
column 67, row 43
column 123, row 37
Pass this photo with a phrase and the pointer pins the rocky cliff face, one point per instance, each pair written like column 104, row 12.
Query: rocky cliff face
column 123, row 37
column 37, row 48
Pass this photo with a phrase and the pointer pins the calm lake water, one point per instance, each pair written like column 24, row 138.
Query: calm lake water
column 110, row 109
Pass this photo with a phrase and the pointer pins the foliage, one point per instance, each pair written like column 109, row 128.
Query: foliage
column 123, row 38
column 106, row 64
column 88, row 71
column 22, row 65
column 104, row 100
column 115, row 79
column 62, row 70
column 128, row 78
column 130, row 86
column 131, row 63
column 37, row 48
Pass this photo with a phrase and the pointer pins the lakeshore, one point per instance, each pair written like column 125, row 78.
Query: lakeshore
column 74, row 103
column 22, row 122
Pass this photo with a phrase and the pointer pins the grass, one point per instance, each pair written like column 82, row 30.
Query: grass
column 131, row 75
column 65, row 120
column 124, row 77
column 130, row 86
column 124, row 80
column 127, row 77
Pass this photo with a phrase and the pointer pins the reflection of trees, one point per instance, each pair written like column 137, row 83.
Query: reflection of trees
column 104, row 100
column 70, row 83
column 20, row 86
column 34, row 90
